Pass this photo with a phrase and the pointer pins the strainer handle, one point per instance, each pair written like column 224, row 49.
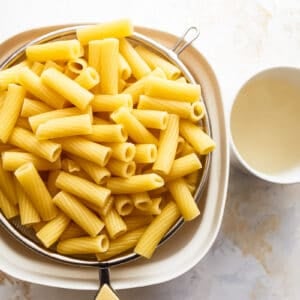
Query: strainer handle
column 190, row 35
column 105, row 290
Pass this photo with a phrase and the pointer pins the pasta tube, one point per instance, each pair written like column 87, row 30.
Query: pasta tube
column 27, row 141
column 9, row 210
column 137, row 64
column 7, row 185
column 72, row 231
column 12, row 160
column 169, row 89
column 111, row 102
column 167, row 146
column 97, row 173
column 122, row 151
column 123, row 205
column 88, row 78
column 183, row 166
column 134, row 184
column 84, row 245
column 152, row 118
column 86, row 149
column 65, row 127
column 141, row 201
column 136, row 130
column 51, row 232
column 138, row 221
column 112, row 133
column 154, row 61
column 124, row 68
column 83, row 188
column 33, row 107
column 79, row 213
column 33, row 84
column 116, row 29
column 201, row 142
column 156, row 230
column 67, row 87
column 184, row 199
column 58, row 50
column 28, row 214
column 103, row 56
column 114, row 224
column 122, row 244
column 10, row 110
column 121, row 168
column 145, row 153
column 36, row 190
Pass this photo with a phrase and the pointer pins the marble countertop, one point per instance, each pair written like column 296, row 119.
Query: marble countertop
column 257, row 250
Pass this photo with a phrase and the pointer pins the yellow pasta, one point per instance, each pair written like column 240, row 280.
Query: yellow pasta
column 123, row 205
column 69, row 165
column 83, row 188
column 77, row 65
column 23, row 123
column 83, row 245
column 156, row 230
column 72, row 231
column 201, row 142
column 51, row 64
column 152, row 118
column 124, row 68
column 37, row 68
column 12, row 160
column 51, row 232
column 137, row 64
column 86, row 149
column 33, row 107
column 36, row 120
column 184, row 110
column 7, row 185
column 112, row 133
column 36, row 190
column 122, row 151
column 122, row 244
column 183, row 166
column 135, row 183
column 168, row 89
column 88, row 78
column 27, row 141
column 114, row 224
column 116, row 29
column 28, row 214
column 58, row 50
column 121, row 168
column 65, row 127
column 9, row 210
column 97, row 173
column 33, row 84
column 111, row 102
column 138, row 221
column 67, row 87
column 154, row 61
column 11, row 75
column 52, row 175
column 141, row 201
column 136, row 130
column 145, row 153
column 167, row 146
column 79, row 213
column 103, row 56
column 137, row 88
column 10, row 110
column 184, row 199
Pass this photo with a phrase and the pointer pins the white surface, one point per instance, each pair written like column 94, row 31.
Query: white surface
column 256, row 254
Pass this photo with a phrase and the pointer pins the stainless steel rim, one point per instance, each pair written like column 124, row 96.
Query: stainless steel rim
column 174, row 58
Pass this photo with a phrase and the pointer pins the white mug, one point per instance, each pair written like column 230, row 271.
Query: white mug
column 265, row 126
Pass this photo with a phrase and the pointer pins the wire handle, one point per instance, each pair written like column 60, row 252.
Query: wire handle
column 105, row 291
column 183, row 42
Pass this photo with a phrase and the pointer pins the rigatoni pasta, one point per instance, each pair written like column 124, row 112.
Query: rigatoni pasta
column 100, row 144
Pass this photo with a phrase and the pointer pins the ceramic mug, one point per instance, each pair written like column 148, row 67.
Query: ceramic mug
column 265, row 126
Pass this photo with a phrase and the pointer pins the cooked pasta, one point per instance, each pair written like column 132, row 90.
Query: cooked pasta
column 9, row 210
column 122, row 151
column 145, row 153
column 111, row 102
column 152, row 118
column 112, row 133
column 123, row 205
column 33, row 107
column 114, row 224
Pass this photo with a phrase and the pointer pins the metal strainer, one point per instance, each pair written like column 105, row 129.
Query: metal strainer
column 26, row 235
